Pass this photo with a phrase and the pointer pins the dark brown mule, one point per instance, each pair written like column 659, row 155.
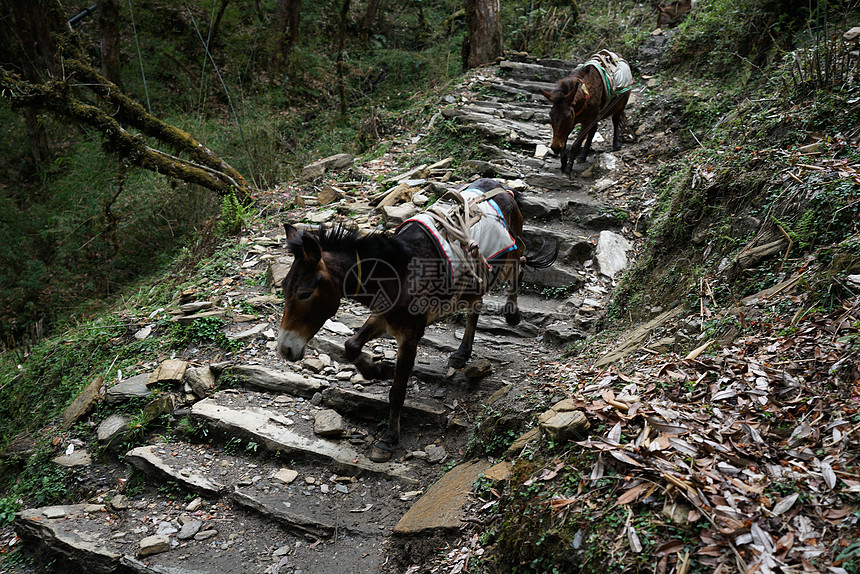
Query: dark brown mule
column 581, row 98
column 388, row 274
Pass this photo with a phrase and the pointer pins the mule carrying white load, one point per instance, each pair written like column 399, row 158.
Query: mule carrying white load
column 470, row 232
column 615, row 71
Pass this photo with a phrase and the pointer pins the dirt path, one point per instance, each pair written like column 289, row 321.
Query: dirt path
column 275, row 497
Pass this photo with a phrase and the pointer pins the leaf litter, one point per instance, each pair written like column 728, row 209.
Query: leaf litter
column 753, row 446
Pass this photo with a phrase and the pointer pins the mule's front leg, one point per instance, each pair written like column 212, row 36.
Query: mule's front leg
column 369, row 369
column 459, row 357
column 406, row 351
column 587, row 146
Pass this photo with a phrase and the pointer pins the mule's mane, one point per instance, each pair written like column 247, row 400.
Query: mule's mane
column 340, row 238
column 569, row 83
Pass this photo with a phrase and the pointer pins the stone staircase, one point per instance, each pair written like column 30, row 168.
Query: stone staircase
column 277, row 478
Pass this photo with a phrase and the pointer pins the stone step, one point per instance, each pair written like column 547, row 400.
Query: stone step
column 90, row 538
column 518, row 133
column 304, row 497
column 256, row 418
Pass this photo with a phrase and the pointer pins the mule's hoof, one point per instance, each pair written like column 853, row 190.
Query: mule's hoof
column 456, row 361
column 381, row 452
column 513, row 318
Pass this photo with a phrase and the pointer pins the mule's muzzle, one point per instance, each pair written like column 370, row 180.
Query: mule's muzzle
column 291, row 346
column 557, row 149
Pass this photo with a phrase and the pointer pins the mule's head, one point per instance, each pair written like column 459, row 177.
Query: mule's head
column 311, row 295
column 561, row 116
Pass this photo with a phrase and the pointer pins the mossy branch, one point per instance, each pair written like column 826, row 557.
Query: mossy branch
column 204, row 167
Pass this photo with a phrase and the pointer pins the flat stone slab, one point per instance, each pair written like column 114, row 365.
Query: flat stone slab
column 274, row 380
column 439, row 508
column 128, row 389
column 146, row 459
column 83, row 403
column 257, row 426
column 373, row 406
column 72, row 544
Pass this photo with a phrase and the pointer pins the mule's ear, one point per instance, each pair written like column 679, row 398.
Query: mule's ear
column 293, row 235
column 572, row 93
column 311, row 247
column 546, row 94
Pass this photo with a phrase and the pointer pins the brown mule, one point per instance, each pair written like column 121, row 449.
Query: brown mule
column 583, row 98
column 390, row 275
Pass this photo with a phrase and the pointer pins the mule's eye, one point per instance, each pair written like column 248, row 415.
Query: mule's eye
column 305, row 294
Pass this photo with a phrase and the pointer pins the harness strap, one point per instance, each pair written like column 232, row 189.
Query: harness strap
column 587, row 97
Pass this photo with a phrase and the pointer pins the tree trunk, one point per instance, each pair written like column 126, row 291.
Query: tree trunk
column 285, row 31
column 217, row 23
column 341, row 48
column 484, row 37
column 29, row 48
column 369, row 17
column 109, row 27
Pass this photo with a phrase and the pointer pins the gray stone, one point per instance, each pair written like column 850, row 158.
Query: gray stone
column 277, row 270
column 201, row 380
column 565, row 425
column 168, row 372
column 134, row 387
column 436, row 454
column 397, row 214
column 551, row 182
column 76, row 546
column 189, row 529
column 153, row 545
column 147, row 459
column 249, row 333
column 440, row 507
column 112, row 428
column 54, row 512
column 611, row 253
column 119, row 502
column 319, row 167
column 83, row 403
column 206, row 535
column 280, row 381
column 478, row 369
column 165, row 529
column 536, row 207
column 256, row 425
column 77, row 458
column 329, row 424
column 196, row 306
column 322, row 216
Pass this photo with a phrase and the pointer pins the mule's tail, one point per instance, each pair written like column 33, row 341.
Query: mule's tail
column 543, row 257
